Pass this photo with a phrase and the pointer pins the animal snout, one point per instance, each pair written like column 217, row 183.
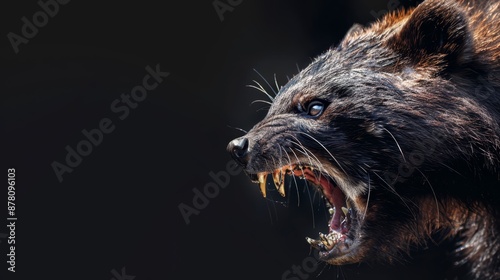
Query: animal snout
column 238, row 148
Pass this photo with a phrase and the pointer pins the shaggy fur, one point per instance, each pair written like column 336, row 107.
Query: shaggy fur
column 410, row 132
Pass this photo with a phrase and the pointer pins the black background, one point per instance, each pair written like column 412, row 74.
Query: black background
column 118, row 209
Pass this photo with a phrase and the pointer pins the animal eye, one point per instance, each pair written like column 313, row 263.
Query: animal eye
column 315, row 108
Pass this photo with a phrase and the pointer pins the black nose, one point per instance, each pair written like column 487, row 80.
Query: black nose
column 239, row 149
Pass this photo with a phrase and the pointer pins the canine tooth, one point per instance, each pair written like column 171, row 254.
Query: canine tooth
column 276, row 176
column 331, row 211
column 279, row 182
column 322, row 236
column 345, row 210
column 324, row 239
column 281, row 190
column 262, row 182
column 313, row 242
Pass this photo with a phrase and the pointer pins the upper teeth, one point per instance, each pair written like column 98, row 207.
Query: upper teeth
column 279, row 181
column 262, row 182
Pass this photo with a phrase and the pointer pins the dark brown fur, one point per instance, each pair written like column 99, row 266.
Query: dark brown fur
column 410, row 132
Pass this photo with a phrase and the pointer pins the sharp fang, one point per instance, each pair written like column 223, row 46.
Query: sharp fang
column 281, row 190
column 324, row 239
column 262, row 182
column 279, row 182
column 345, row 210
column 331, row 211
column 322, row 236
column 315, row 243
column 311, row 241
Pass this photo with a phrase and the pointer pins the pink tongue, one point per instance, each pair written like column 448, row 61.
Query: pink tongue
column 333, row 194
column 337, row 198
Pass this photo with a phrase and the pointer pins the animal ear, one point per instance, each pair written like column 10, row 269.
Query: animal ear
column 355, row 28
column 353, row 31
column 434, row 28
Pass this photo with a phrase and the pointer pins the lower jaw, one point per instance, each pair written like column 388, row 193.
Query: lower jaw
column 342, row 244
column 341, row 254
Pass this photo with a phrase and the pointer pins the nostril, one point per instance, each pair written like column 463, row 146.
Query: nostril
column 239, row 149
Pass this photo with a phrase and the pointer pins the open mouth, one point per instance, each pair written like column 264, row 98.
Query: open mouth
column 338, row 242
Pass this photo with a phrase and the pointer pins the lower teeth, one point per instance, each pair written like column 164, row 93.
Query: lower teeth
column 326, row 241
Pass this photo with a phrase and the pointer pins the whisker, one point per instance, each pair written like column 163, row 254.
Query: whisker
column 269, row 210
column 308, row 154
column 322, row 146
column 263, row 109
column 369, row 191
column 368, row 196
column 324, row 264
column 265, row 81
column 341, row 272
column 287, row 155
column 274, row 161
column 237, row 128
column 261, row 101
column 433, row 193
column 280, row 156
column 399, row 147
column 308, row 192
column 310, row 200
column 268, row 200
column 276, row 83
column 295, row 180
column 391, row 188
column 308, row 187
column 450, row 168
column 261, row 89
